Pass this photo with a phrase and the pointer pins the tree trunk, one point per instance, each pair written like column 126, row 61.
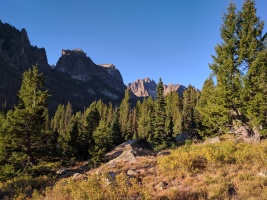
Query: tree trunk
column 31, row 159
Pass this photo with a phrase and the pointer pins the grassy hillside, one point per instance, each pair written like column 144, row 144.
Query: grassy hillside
column 224, row 170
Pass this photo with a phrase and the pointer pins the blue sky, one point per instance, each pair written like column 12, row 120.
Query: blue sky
column 171, row 39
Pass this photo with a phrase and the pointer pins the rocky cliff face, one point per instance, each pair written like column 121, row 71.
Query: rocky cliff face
column 147, row 87
column 16, row 50
column 75, row 79
column 80, row 67
column 143, row 87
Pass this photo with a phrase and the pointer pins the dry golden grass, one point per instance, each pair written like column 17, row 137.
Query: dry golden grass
column 225, row 170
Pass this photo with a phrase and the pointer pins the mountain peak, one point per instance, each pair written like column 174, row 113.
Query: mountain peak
column 147, row 87
column 74, row 51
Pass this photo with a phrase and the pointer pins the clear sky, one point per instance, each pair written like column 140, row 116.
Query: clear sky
column 171, row 39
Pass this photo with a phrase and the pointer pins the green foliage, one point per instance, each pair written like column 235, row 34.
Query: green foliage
column 124, row 115
column 103, row 142
column 27, row 121
column 191, row 118
column 239, row 68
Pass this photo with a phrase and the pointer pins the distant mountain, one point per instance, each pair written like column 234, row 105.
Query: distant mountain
column 147, row 87
column 75, row 78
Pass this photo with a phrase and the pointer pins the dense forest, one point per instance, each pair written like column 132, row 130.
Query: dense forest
column 232, row 100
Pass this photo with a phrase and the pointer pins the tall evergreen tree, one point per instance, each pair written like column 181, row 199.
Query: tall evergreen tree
column 28, row 120
column 124, row 114
column 226, row 70
column 252, row 60
column 160, row 116
column 86, row 141
column 190, row 114
column 212, row 114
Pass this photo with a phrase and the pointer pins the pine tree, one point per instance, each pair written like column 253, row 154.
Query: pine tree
column 115, row 129
column 160, row 116
column 190, row 115
column 103, row 142
column 57, row 122
column 143, row 121
column 252, row 59
column 225, row 67
column 212, row 117
column 85, row 141
column 124, row 114
column 27, row 121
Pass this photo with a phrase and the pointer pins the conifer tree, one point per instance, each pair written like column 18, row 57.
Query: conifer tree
column 252, row 60
column 115, row 128
column 57, row 123
column 27, row 121
column 124, row 114
column 143, row 121
column 190, row 114
column 212, row 114
column 160, row 116
column 103, row 141
column 226, row 70
column 86, row 141
column 239, row 68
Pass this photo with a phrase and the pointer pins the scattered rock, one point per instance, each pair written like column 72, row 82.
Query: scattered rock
column 213, row 140
column 263, row 174
column 141, row 171
column 132, row 173
column 163, row 153
column 140, row 146
column 126, row 156
column 61, row 171
column 161, row 186
column 79, row 177
column 109, row 177
column 232, row 191
column 151, row 170
column 84, row 168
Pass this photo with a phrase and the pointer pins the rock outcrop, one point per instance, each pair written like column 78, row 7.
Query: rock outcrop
column 143, row 87
column 147, row 87
column 80, row 67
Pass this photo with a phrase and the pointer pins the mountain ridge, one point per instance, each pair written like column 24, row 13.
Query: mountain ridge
column 147, row 87
column 17, row 55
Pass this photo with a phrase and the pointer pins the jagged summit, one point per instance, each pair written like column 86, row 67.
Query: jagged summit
column 68, row 52
column 147, row 87
column 143, row 87
column 77, row 64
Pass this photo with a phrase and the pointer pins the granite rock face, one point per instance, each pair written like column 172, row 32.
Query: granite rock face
column 143, row 87
column 147, row 87
column 80, row 67
column 75, row 78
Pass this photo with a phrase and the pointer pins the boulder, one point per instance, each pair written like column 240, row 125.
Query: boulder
column 61, row 171
column 126, row 156
column 161, row 186
column 130, row 148
column 79, row 177
column 263, row 174
column 213, row 140
column 132, row 173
